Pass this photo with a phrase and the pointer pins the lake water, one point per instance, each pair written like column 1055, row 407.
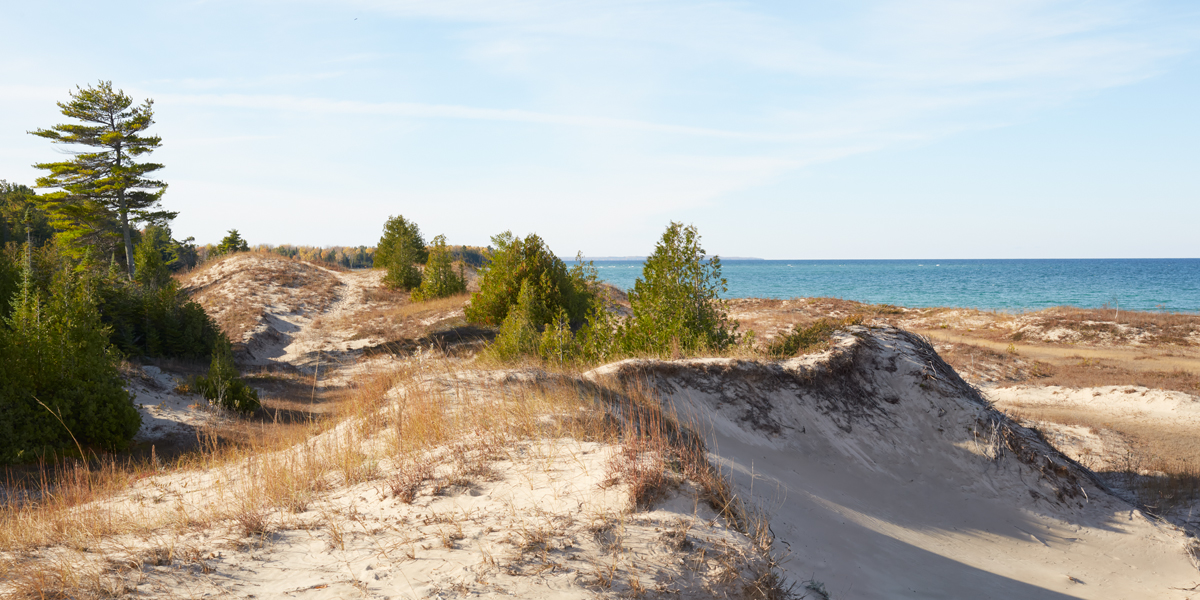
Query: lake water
column 1017, row 284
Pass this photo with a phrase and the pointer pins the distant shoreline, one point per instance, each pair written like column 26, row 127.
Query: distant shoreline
column 630, row 258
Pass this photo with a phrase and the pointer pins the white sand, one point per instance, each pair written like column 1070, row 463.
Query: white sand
column 883, row 480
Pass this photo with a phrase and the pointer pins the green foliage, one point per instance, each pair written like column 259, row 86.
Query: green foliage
column 103, row 191
column 176, row 255
column 596, row 340
column 156, row 321
column 232, row 243
column 676, row 303
column 151, row 270
column 518, row 264
column 60, row 381
column 440, row 280
column 400, row 250
column 223, row 386
column 10, row 281
column 518, row 333
column 20, row 216
column 815, row 335
column 558, row 343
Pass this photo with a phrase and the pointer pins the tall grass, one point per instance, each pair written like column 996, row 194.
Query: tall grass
column 417, row 429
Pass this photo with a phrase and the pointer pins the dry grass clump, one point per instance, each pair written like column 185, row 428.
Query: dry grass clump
column 1009, row 368
column 416, row 430
column 393, row 317
column 1159, row 464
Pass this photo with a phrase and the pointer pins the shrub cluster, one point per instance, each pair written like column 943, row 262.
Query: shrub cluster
column 60, row 384
column 543, row 309
column 533, row 297
column 676, row 302
column 155, row 321
column 399, row 251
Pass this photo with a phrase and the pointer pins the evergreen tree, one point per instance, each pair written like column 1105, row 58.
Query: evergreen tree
column 21, row 219
column 440, row 280
column 151, row 270
column 677, row 302
column 232, row 243
column 400, row 250
column 104, row 192
column 516, row 262
column 223, row 386
column 60, row 382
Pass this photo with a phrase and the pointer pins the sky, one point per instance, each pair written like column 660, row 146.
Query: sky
column 797, row 129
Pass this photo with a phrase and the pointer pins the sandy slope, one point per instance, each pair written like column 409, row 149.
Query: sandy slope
column 886, row 476
column 882, row 473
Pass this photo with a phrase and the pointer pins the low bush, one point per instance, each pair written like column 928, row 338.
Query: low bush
column 155, row 321
column 60, row 385
column 223, row 386
column 676, row 303
column 807, row 338
column 526, row 265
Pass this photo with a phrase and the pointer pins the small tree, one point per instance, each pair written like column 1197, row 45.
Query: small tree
column 400, row 250
column 517, row 263
column 104, row 190
column 676, row 303
column 232, row 243
column 518, row 333
column 59, row 383
column 151, row 270
column 223, row 386
column 440, row 280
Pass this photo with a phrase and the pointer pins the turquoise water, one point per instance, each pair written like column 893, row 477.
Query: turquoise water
column 1017, row 284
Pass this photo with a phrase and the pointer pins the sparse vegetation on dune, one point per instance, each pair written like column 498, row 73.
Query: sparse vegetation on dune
column 413, row 434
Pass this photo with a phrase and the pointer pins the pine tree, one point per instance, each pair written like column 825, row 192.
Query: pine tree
column 106, row 191
column 400, row 250
column 440, row 280
column 232, row 243
column 676, row 303
column 60, row 381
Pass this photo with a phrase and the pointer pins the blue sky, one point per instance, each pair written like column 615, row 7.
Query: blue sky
column 919, row 129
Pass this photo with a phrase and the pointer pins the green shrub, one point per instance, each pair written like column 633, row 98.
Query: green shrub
column 558, row 343
column 440, row 280
column 518, row 333
column 676, row 303
column 151, row 271
column 517, row 264
column 400, row 250
column 223, row 386
column 804, row 339
column 231, row 243
column 60, row 382
column 155, row 321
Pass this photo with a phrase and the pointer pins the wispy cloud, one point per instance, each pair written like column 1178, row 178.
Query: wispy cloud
column 444, row 111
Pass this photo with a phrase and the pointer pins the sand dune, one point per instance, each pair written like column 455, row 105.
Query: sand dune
column 886, row 476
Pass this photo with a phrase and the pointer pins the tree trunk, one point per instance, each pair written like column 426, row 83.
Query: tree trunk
column 124, row 217
column 125, row 231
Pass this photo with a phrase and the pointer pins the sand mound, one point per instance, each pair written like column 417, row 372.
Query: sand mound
column 886, row 476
